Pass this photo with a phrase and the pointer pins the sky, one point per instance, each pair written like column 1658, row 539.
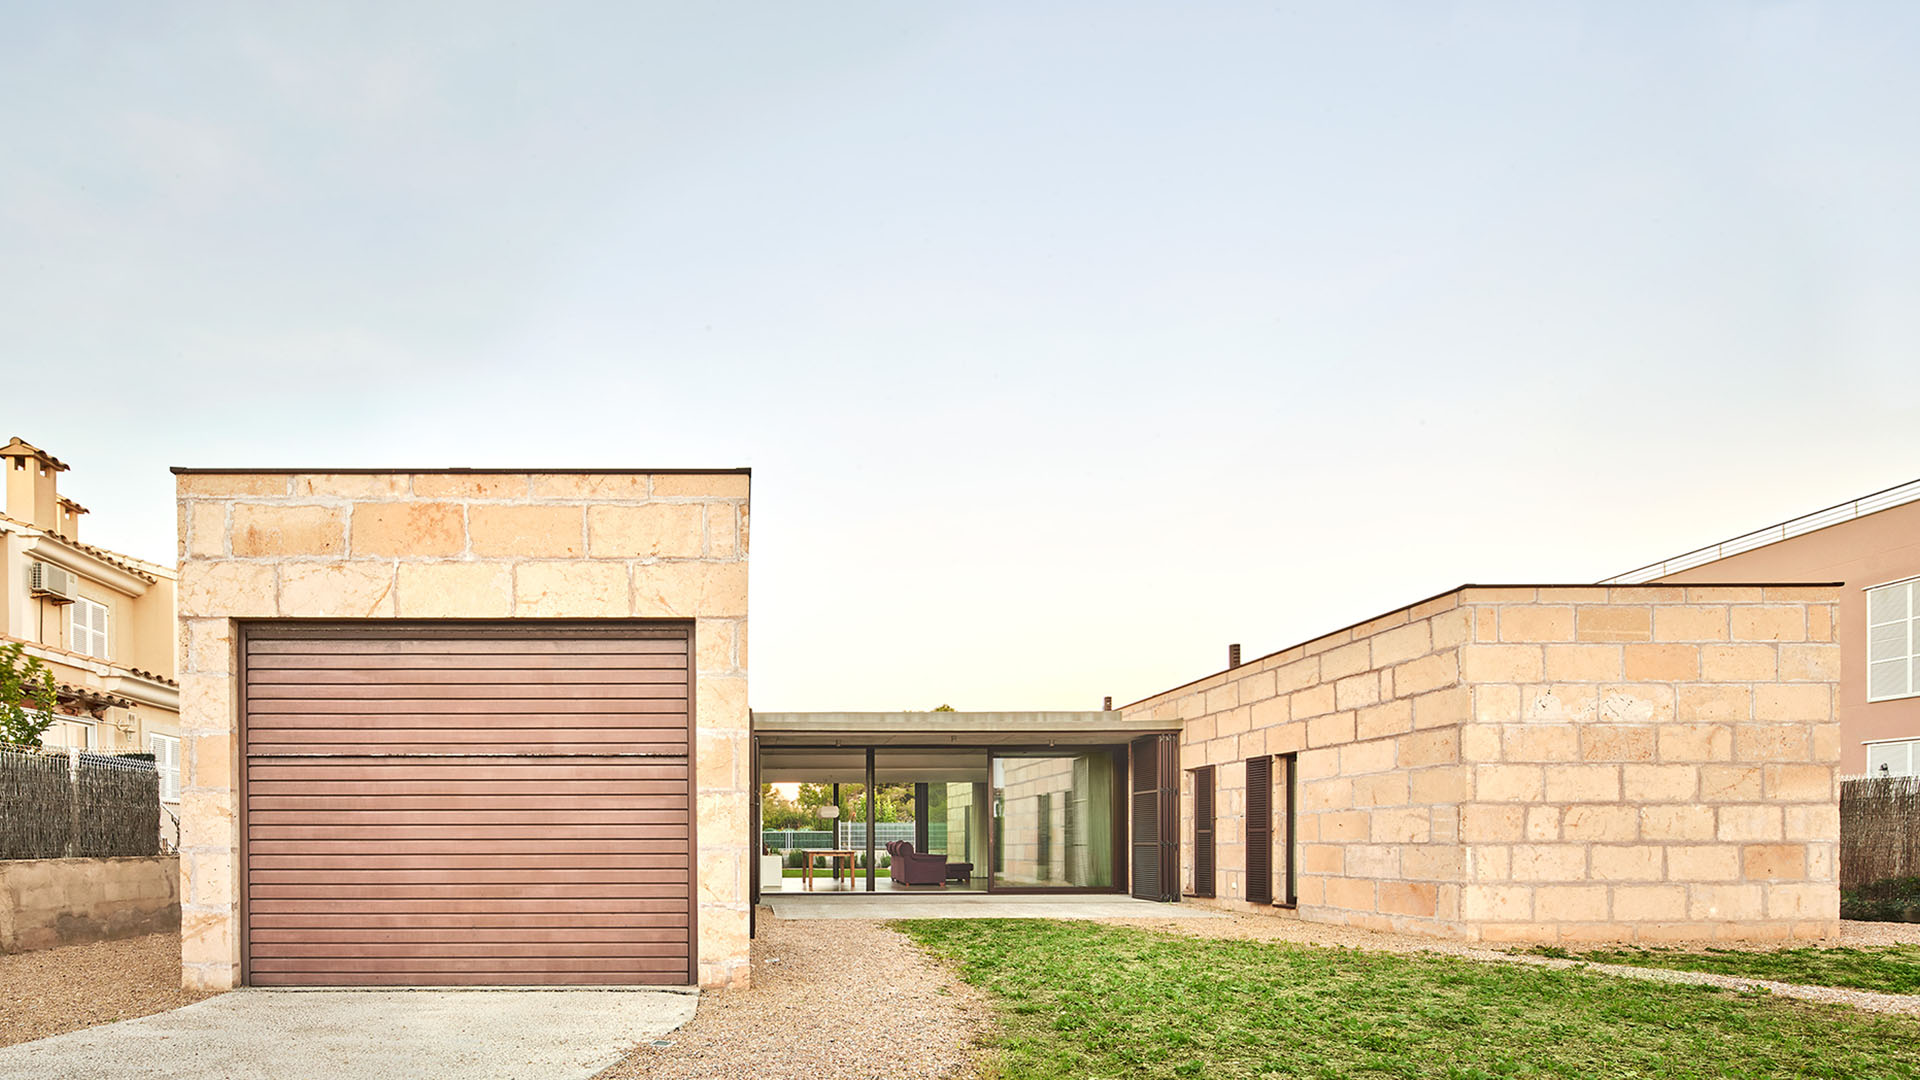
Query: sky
column 1068, row 343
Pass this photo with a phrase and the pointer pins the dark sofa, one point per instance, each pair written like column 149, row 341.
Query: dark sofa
column 913, row 868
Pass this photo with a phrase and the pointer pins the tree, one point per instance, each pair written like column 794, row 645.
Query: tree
column 27, row 697
column 946, row 708
column 892, row 802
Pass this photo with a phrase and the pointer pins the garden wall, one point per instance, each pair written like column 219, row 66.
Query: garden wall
column 48, row 902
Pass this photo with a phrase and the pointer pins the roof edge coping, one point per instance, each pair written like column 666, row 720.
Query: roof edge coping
column 1501, row 585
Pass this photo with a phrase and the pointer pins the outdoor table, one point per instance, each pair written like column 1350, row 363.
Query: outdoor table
column 833, row 866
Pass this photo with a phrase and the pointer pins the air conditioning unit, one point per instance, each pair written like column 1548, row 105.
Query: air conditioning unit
column 51, row 582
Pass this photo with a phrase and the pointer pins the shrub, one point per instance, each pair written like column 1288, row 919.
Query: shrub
column 1887, row 900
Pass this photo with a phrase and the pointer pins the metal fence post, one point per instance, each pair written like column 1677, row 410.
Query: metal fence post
column 73, row 801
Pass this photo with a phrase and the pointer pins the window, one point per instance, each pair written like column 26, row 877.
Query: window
column 1893, row 640
column 70, row 732
column 88, row 629
column 166, row 758
column 1893, row 758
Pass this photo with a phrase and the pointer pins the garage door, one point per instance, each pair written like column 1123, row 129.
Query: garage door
column 473, row 807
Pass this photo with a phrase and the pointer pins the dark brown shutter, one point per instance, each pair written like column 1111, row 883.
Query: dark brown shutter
column 1203, row 831
column 756, row 839
column 1260, row 830
column 500, row 805
column 1156, row 812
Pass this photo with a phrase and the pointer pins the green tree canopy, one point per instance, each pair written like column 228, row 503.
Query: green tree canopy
column 27, row 696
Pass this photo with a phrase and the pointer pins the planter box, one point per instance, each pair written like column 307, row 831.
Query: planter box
column 771, row 874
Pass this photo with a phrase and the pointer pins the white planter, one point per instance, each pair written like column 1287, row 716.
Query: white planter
column 771, row 879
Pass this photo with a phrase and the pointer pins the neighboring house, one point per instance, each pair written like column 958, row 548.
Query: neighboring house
column 1871, row 546
column 101, row 621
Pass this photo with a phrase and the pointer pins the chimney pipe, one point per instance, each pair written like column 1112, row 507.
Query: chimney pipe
column 1106, row 703
column 1233, row 655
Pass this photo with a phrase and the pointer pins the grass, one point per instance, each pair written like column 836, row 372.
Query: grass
column 823, row 872
column 1890, row 970
column 1083, row 1000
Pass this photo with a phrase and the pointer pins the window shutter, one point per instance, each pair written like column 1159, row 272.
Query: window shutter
column 1890, row 759
column 1203, row 831
column 1156, row 817
column 1893, row 661
column 166, row 761
column 1260, row 830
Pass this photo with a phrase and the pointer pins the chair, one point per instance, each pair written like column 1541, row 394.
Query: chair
column 913, row 868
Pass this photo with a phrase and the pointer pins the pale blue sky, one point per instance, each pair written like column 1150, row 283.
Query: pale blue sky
column 1068, row 343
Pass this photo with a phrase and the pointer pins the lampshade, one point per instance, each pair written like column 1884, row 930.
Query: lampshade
column 829, row 811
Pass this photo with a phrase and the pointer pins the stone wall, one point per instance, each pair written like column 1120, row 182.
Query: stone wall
column 48, row 902
column 434, row 545
column 1543, row 764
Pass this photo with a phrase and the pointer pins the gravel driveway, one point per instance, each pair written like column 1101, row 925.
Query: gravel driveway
column 840, row 999
column 77, row 986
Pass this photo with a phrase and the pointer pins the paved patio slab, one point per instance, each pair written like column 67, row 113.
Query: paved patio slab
column 364, row 1035
column 975, row 906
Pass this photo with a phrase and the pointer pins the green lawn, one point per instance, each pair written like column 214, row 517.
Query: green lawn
column 1082, row 1000
column 1892, row 970
column 821, row 871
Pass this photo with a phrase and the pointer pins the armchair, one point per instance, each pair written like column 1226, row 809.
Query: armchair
column 913, row 868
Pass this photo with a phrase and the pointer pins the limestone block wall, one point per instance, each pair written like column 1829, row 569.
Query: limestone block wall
column 432, row 545
column 1652, row 763
column 1373, row 714
column 48, row 902
column 1542, row 764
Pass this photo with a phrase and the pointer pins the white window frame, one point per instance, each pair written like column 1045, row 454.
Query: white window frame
column 1891, row 752
column 95, row 635
column 89, row 729
column 166, row 759
column 1909, row 654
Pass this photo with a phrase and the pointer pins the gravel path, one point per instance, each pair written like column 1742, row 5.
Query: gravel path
column 76, row 986
column 1857, row 935
column 850, row 1000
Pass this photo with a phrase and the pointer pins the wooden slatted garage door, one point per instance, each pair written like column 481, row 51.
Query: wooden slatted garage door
column 480, row 806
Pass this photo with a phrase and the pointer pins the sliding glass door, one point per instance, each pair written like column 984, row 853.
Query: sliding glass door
column 1056, row 819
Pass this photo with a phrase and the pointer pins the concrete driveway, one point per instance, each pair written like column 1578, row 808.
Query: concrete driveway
column 365, row 1035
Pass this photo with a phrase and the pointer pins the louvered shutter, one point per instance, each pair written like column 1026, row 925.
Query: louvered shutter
column 1893, row 668
column 1260, row 830
column 1203, row 831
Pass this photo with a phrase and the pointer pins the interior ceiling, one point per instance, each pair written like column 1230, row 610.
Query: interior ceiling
column 856, row 740
column 890, row 767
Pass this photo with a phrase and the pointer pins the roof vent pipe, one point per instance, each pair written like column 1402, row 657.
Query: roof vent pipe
column 1233, row 655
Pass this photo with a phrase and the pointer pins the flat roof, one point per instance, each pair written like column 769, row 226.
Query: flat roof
column 1477, row 585
column 952, row 728
column 196, row 470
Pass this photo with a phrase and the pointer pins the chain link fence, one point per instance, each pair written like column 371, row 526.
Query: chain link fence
column 73, row 804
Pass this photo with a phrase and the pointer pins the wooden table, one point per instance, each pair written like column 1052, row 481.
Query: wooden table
column 833, row 866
